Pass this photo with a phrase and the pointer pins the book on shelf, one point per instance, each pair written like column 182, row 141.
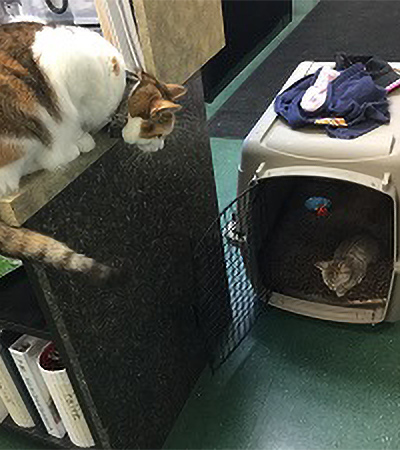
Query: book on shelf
column 64, row 397
column 13, row 392
column 3, row 411
column 25, row 352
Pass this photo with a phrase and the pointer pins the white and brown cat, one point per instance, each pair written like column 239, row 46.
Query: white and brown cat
column 57, row 84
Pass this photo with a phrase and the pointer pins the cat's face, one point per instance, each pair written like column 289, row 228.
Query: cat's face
column 337, row 276
column 151, row 113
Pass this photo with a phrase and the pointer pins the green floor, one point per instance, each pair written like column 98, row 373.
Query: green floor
column 226, row 159
column 298, row 383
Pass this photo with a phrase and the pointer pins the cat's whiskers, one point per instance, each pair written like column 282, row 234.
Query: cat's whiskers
column 142, row 156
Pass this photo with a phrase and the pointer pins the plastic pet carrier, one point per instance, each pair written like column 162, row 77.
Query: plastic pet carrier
column 301, row 194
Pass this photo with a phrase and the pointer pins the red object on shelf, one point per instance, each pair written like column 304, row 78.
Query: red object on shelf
column 50, row 358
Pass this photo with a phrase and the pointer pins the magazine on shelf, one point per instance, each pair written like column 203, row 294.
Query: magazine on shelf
column 25, row 352
column 13, row 392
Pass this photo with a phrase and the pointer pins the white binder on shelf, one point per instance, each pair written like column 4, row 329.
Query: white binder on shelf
column 12, row 399
column 61, row 390
column 25, row 352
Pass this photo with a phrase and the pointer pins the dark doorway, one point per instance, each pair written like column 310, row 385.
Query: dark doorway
column 249, row 26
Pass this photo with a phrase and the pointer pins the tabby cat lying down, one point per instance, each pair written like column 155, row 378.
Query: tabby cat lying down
column 349, row 264
column 58, row 83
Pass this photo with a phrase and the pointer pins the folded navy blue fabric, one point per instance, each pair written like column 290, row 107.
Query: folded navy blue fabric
column 353, row 96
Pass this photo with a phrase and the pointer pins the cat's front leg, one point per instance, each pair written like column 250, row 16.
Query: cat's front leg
column 59, row 156
column 86, row 143
column 10, row 176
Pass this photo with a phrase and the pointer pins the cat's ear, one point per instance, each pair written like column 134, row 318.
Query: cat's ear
column 176, row 90
column 160, row 105
column 322, row 265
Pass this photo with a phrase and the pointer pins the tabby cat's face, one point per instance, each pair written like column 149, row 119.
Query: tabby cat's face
column 337, row 276
column 151, row 111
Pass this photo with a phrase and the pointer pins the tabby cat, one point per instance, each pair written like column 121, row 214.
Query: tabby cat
column 349, row 264
column 57, row 84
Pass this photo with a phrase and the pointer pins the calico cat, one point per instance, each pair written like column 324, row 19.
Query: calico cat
column 349, row 264
column 58, row 83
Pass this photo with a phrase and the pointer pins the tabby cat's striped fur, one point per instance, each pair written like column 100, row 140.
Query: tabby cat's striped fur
column 349, row 264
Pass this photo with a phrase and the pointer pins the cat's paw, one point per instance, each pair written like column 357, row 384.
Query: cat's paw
column 151, row 145
column 58, row 157
column 86, row 143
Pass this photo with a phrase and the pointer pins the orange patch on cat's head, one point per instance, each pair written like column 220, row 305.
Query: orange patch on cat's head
column 154, row 102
